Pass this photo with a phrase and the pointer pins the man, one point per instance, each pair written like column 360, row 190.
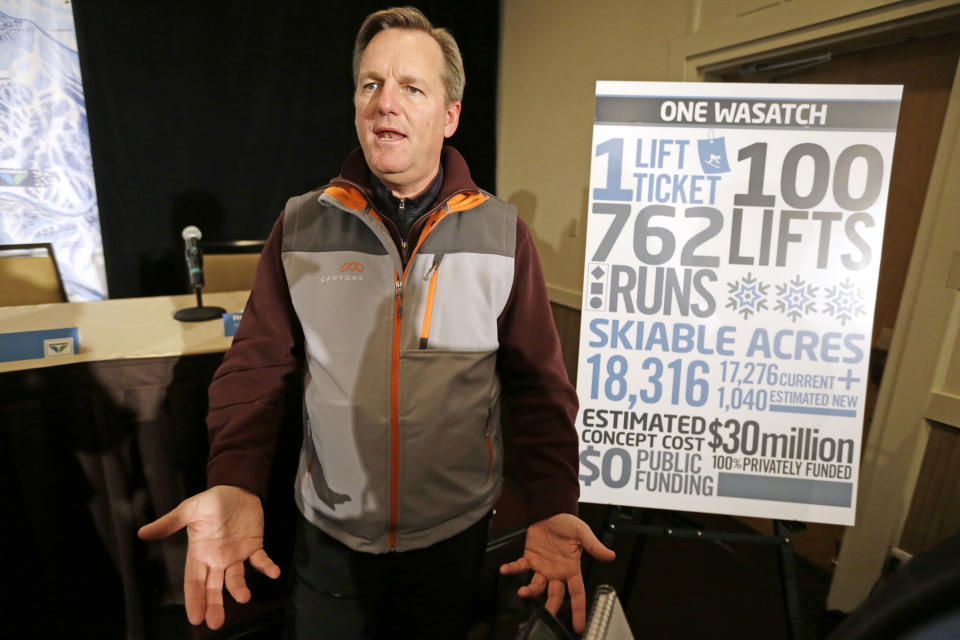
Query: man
column 407, row 303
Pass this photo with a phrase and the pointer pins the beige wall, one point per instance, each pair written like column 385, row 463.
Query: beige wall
column 553, row 51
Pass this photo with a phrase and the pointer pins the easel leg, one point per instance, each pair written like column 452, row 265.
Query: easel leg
column 788, row 582
column 622, row 518
column 606, row 537
column 614, row 515
column 636, row 555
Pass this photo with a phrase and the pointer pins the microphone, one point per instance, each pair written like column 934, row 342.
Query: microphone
column 191, row 238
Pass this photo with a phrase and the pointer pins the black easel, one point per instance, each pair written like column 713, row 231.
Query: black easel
column 624, row 519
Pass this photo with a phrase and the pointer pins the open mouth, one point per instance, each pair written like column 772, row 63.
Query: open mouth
column 388, row 135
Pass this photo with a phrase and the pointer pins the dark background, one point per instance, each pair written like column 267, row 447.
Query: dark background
column 214, row 113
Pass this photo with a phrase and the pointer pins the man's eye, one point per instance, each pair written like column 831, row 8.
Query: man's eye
column 413, row 90
column 370, row 86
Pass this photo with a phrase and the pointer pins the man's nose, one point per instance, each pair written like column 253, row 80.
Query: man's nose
column 387, row 98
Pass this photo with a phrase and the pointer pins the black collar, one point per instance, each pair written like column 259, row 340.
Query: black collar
column 404, row 211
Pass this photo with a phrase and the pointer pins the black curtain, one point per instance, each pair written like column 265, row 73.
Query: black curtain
column 214, row 113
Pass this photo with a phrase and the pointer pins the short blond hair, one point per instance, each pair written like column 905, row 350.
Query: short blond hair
column 411, row 18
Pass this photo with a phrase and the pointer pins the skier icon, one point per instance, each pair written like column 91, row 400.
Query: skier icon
column 713, row 154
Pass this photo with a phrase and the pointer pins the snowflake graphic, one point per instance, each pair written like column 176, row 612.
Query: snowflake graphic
column 796, row 298
column 747, row 295
column 844, row 302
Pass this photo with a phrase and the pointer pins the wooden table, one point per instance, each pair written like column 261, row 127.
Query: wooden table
column 124, row 328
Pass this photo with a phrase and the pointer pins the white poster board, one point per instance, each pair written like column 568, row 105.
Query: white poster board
column 733, row 248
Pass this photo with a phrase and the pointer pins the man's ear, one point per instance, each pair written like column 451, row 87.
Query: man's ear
column 452, row 119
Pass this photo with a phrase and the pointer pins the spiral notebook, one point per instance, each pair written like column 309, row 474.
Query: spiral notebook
column 607, row 621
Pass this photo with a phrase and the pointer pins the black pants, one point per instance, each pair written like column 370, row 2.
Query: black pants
column 425, row 593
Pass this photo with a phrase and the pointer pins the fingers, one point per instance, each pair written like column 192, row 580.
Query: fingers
column 517, row 566
column 537, row 584
column 194, row 584
column 262, row 563
column 578, row 602
column 236, row 584
column 555, row 590
column 166, row 524
column 203, row 587
column 214, row 593
column 555, row 593
column 592, row 545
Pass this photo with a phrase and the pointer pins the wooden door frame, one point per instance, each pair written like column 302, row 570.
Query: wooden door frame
column 929, row 313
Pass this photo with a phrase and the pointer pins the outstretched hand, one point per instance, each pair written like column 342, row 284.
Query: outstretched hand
column 552, row 552
column 224, row 529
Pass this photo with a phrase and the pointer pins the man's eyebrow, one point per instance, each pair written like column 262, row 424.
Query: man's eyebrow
column 409, row 79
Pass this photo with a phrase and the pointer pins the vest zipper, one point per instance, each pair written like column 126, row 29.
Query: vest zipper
column 434, row 218
column 442, row 210
column 395, row 413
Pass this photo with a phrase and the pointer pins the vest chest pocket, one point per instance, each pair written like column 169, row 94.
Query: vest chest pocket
column 432, row 275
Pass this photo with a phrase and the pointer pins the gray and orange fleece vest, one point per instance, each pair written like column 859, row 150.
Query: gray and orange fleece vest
column 402, row 444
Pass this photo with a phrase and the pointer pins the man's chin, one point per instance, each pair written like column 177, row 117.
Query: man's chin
column 390, row 175
column 387, row 171
column 385, row 159
column 386, row 166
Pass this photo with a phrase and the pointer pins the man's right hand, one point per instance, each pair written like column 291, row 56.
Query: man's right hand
column 224, row 529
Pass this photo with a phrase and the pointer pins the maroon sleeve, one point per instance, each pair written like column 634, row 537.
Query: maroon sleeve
column 536, row 389
column 247, row 395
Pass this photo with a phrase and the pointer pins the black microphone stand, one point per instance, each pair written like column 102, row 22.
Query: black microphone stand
column 199, row 313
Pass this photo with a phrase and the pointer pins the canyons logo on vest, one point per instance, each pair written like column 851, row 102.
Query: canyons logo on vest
column 349, row 271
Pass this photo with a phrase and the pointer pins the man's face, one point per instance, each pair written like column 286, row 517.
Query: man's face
column 402, row 114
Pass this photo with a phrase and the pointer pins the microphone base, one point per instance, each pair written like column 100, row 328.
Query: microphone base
column 199, row 314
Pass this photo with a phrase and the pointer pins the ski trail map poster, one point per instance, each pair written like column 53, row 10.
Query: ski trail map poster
column 733, row 248
column 47, row 191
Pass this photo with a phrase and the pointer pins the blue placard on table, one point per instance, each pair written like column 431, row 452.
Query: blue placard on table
column 48, row 343
column 230, row 323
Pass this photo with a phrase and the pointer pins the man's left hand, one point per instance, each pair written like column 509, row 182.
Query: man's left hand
column 552, row 552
